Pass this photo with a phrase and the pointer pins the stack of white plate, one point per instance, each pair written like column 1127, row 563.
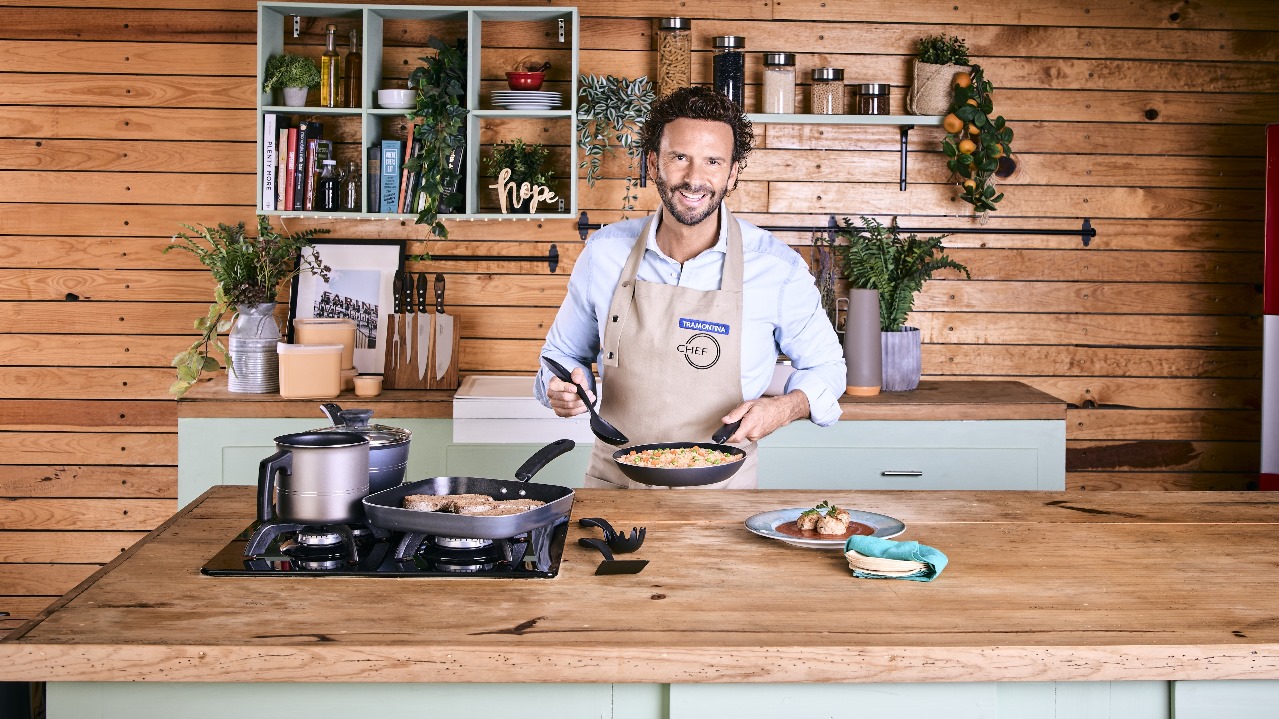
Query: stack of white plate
column 526, row 99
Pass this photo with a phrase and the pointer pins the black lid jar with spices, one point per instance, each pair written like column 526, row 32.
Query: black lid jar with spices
column 872, row 98
column 729, row 66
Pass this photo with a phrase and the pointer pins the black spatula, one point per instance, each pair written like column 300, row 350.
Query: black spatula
column 610, row 565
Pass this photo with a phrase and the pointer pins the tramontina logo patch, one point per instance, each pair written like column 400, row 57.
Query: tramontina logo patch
column 701, row 350
column 703, row 326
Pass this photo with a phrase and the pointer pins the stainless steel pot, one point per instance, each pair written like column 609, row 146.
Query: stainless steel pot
column 315, row 478
column 388, row 446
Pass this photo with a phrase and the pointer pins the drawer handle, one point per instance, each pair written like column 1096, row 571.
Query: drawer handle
column 901, row 473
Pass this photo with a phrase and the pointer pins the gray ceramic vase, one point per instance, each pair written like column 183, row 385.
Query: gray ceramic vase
column 902, row 361
column 862, row 351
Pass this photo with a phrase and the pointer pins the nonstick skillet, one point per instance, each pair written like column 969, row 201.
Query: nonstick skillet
column 685, row 476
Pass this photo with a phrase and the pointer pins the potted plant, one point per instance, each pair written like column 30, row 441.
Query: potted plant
column 249, row 271
column 524, row 163
column 939, row 58
column 875, row 257
column 294, row 74
column 974, row 142
column 612, row 110
column 441, row 108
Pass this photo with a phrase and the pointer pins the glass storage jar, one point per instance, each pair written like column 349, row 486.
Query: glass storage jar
column 827, row 93
column 674, row 54
column 779, row 83
column 872, row 98
column 730, row 67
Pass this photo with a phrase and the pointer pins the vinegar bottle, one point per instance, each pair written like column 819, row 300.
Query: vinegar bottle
column 330, row 71
column 351, row 73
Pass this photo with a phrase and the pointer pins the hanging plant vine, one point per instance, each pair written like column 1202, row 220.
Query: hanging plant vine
column 974, row 141
column 612, row 110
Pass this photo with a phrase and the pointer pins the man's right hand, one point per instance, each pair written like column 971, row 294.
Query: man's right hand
column 563, row 395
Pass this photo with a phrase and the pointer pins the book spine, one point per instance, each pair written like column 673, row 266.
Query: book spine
column 282, row 170
column 299, row 174
column 269, row 161
column 409, row 149
column 293, row 168
column 391, row 161
column 373, row 171
column 312, row 164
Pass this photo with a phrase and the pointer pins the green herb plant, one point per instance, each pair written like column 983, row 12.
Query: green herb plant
column 289, row 70
column 942, row 50
column 441, row 106
column 611, row 110
column 878, row 257
column 524, row 161
column 974, row 141
column 248, row 271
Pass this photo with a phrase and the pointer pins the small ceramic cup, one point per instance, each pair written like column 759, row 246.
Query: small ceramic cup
column 368, row 385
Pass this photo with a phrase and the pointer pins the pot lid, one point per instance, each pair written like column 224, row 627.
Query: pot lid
column 357, row 421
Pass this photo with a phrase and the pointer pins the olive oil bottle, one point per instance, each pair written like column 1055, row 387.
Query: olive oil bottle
column 330, row 70
column 351, row 89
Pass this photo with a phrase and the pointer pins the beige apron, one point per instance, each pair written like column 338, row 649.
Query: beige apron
column 674, row 358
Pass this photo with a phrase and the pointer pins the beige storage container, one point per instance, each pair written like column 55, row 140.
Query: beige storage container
column 310, row 371
column 327, row 331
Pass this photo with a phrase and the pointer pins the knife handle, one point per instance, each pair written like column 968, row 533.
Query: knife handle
column 397, row 288
column 421, row 292
column 408, row 293
column 439, row 294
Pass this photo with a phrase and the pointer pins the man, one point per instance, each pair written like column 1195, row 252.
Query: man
column 686, row 310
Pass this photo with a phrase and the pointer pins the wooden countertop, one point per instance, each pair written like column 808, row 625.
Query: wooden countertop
column 1041, row 587
column 932, row 400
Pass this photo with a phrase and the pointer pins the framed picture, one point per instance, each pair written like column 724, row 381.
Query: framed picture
column 359, row 288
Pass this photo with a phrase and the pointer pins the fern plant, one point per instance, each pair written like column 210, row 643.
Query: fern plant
column 876, row 257
column 612, row 110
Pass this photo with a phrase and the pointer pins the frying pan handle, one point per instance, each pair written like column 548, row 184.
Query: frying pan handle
column 725, row 432
column 596, row 544
column 268, row 470
column 543, row 458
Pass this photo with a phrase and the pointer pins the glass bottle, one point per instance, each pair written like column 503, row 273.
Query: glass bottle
column 351, row 90
column 827, row 93
column 327, row 192
column 779, row 83
column 730, row 67
column 330, row 71
column 351, row 188
column 674, row 54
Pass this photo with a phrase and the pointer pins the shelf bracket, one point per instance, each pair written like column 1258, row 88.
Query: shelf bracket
column 1087, row 232
column 561, row 22
column 583, row 225
column 905, row 134
column 297, row 26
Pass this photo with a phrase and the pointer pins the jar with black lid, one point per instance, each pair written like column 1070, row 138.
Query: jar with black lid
column 674, row 54
column 779, row 83
column 826, row 96
column 872, row 98
column 730, row 67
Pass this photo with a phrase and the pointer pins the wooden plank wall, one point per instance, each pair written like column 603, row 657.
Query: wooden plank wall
column 121, row 119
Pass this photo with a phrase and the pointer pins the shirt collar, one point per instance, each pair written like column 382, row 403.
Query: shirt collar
column 720, row 246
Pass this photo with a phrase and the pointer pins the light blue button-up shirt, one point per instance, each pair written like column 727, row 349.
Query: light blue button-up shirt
column 781, row 310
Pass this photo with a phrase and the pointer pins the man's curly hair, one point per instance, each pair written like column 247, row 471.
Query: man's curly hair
column 698, row 103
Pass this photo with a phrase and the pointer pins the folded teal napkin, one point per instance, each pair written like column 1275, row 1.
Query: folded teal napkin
column 932, row 558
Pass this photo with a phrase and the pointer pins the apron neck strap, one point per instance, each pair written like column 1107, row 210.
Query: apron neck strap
column 731, row 281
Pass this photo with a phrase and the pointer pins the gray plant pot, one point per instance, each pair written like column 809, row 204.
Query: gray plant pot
column 901, row 359
column 295, row 96
column 255, row 363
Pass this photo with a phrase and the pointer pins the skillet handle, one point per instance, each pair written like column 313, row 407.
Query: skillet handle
column 543, row 458
column 725, row 432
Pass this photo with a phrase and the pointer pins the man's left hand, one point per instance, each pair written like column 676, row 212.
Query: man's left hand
column 761, row 417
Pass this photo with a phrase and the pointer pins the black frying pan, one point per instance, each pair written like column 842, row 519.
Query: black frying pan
column 385, row 509
column 684, row 476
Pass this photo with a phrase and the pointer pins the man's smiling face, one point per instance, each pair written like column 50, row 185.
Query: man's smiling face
column 694, row 168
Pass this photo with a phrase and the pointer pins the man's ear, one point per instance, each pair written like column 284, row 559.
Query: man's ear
column 650, row 164
column 733, row 173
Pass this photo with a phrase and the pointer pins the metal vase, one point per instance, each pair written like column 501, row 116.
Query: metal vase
column 255, row 364
column 862, row 351
column 901, row 358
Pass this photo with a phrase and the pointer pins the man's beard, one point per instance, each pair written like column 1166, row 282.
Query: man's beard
column 689, row 219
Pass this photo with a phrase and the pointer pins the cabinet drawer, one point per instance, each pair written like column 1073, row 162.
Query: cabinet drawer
column 898, row 468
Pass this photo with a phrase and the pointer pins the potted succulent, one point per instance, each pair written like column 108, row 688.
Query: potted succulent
column 525, row 165
column 876, row 257
column 975, row 142
column 939, row 58
column 250, row 272
column 294, row 74
column 612, row 110
column 440, row 107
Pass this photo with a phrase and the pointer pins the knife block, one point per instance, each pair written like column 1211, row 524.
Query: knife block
column 411, row 342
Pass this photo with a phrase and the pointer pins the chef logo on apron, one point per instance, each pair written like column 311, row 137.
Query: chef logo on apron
column 701, row 350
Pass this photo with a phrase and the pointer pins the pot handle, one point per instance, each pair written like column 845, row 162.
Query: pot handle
column 281, row 461
column 332, row 411
column 543, row 458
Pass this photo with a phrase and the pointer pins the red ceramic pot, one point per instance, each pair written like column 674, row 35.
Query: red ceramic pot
column 525, row 80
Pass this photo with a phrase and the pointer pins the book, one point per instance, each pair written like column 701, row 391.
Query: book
column 373, row 168
column 312, row 165
column 291, row 148
column 307, row 130
column 410, row 147
column 270, row 160
column 282, row 169
column 392, row 159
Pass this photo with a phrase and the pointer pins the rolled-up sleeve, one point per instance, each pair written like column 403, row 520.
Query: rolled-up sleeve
column 806, row 336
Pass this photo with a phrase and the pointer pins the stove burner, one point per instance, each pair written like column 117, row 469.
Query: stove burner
column 319, row 536
column 460, row 542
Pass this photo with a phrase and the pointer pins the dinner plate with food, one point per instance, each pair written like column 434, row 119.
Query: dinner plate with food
column 824, row 526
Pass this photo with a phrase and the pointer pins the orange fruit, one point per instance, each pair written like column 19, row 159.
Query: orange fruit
column 963, row 79
column 972, row 101
column 998, row 152
column 952, row 124
column 973, row 129
column 967, row 147
column 970, row 184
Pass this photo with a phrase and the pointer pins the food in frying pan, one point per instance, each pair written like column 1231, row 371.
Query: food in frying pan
column 476, row 505
column 825, row 518
column 679, row 458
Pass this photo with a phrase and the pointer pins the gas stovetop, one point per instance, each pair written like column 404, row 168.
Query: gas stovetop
column 275, row 549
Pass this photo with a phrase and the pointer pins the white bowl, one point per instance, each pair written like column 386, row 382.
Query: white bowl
column 395, row 99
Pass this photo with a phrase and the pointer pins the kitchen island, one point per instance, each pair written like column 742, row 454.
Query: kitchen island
column 1055, row 604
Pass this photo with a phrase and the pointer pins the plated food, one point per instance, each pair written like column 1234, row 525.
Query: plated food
column 679, row 457
column 780, row 524
column 474, row 505
column 825, row 518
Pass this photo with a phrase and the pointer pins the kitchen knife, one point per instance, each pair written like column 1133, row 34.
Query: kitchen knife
column 424, row 322
column 443, row 332
column 392, row 354
column 406, row 335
